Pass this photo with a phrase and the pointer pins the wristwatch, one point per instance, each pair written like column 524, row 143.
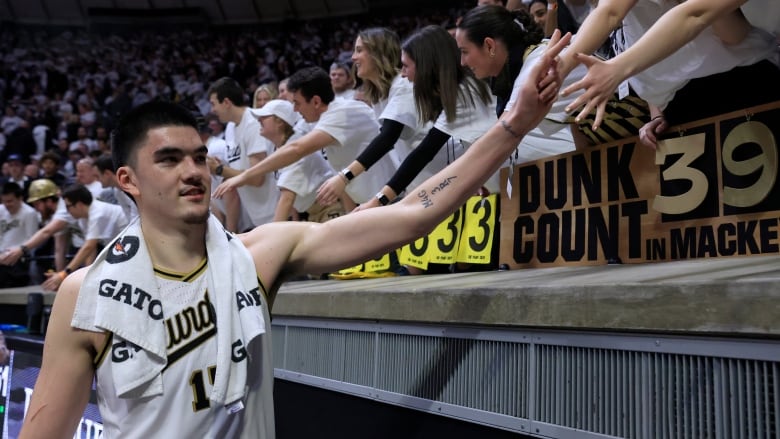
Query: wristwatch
column 218, row 170
column 383, row 200
column 347, row 174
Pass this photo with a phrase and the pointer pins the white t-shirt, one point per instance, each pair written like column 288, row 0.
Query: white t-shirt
column 472, row 119
column 304, row 177
column 399, row 106
column 552, row 136
column 705, row 55
column 95, row 188
column 17, row 228
column 75, row 227
column 346, row 94
column 105, row 221
column 259, row 202
column 353, row 126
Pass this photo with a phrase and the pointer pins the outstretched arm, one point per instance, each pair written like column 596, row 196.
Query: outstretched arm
column 287, row 155
column 333, row 188
column 673, row 30
column 11, row 256
column 354, row 238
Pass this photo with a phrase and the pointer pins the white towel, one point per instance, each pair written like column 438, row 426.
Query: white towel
column 120, row 295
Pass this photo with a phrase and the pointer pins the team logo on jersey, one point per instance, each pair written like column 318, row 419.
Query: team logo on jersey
column 123, row 249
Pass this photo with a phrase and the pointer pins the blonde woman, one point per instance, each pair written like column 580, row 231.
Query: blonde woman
column 263, row 94
column 376, row 61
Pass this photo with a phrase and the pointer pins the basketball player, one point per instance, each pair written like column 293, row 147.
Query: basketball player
column 104, row 325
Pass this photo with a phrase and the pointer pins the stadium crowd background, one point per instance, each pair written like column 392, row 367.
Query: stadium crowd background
column 62, row 90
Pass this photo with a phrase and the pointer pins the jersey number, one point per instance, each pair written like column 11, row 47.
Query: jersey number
column 200, row 400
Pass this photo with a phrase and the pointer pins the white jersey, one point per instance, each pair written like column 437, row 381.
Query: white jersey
column 259, row 202
column 183, row 409
column 399, row 106
column 17, row 228
column 304, row 177
column 353, row 126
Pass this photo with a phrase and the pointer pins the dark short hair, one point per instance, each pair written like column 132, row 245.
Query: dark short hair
column 104, row 163
column 77, row 193
column 135, row 125
column 310, row 82
column 226, row 87
column 49, row 155
column 11, row 188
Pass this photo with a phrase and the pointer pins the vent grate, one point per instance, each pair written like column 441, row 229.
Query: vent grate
column 655, row 395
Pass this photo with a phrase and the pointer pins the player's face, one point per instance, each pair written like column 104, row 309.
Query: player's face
column 408, row 67
column 475, row 57
column 170, row 179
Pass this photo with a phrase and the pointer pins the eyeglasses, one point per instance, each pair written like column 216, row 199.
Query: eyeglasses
column 68, row 205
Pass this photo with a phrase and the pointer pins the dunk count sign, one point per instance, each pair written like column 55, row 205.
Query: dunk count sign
column 709, row 190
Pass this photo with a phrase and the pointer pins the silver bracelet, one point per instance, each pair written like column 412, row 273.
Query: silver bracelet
column 509, row 129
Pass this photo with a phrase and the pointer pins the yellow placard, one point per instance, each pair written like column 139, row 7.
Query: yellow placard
column 476, row 242
column 381, row 264
column 444, row 239
column 351, row 270
column 415, row 254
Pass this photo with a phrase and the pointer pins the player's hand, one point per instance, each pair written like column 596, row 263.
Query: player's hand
column 539, row 88
column 330, row 191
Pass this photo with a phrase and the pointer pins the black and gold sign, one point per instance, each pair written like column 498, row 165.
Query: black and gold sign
column 709, row 190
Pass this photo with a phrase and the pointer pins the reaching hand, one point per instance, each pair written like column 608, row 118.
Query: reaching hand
column 599, row 83
column 52, row 282
column 540, row 87
column 649, row 131
column 330, row 191
column 229, row 185
column 373, row 202
column 10, row 256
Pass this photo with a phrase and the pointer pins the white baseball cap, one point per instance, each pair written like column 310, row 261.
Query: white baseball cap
column 280, row 108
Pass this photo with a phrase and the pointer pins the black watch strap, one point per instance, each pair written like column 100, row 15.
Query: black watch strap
column 218, row 170
column 347, row 174
column 383, row 199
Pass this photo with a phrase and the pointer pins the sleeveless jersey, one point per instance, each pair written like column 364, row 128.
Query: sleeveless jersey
column 183, row 409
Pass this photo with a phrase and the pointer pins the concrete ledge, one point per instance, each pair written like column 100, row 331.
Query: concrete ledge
column 18, row 295
column 734, row 296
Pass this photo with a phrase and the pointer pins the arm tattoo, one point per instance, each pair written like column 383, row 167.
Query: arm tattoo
column 425, row 199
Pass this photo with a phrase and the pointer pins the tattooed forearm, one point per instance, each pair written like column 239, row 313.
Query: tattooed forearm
column 425, row 199
column 443, row 184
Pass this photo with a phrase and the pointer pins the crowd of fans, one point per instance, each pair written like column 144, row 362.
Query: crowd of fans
column 62, row 92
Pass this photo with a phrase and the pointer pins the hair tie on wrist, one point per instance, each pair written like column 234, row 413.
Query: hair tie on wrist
column 657, row 117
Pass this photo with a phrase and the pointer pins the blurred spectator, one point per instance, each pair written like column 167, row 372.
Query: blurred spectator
column 18, row 222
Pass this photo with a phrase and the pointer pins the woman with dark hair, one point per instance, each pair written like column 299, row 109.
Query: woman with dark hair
column 446, row 95
column 502, row 45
